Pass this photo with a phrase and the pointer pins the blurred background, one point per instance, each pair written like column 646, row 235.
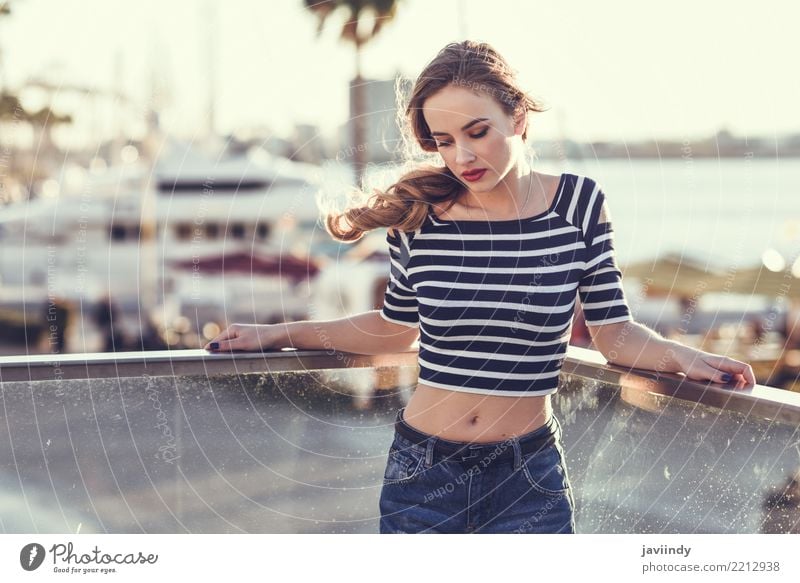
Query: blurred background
column 164, row 167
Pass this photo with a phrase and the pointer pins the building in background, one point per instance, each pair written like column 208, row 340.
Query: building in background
column 382, row 134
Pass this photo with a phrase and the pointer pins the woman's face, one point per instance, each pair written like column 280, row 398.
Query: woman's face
column 491, row 143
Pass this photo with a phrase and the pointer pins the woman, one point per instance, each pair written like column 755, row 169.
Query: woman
column 488, row 258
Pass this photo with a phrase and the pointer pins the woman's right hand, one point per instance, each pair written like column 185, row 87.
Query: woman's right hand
column 248, row 337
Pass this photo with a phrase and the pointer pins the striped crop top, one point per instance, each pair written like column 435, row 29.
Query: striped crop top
column 494, row 300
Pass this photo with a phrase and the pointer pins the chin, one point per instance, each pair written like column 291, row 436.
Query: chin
column 483, row 186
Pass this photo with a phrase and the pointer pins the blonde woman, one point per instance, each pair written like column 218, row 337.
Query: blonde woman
column 488, row 258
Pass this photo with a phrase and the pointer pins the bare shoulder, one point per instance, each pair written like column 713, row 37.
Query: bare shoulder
column 551, row 178
column 547, row 187
column 549, row 182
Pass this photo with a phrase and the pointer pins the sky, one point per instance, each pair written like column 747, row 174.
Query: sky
column 612, row 70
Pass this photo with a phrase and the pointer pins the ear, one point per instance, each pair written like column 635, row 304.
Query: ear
column 520, row 122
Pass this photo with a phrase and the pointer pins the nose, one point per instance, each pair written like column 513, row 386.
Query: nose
column 463, row 156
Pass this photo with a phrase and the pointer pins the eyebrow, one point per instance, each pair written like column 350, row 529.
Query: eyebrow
column 466, row 127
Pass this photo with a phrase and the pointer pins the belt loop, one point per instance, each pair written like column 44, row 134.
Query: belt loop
column 429, row 451
column 517, row 453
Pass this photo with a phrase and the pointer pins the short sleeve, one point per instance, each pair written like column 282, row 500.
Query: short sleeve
column 400, row 298
column 600, row 288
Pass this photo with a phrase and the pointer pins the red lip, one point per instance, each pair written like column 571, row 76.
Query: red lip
column 474, row 174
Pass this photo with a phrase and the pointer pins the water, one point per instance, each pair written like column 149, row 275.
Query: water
column 728, row 211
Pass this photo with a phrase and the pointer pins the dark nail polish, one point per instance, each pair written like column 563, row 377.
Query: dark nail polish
column 726, row 377
column 215, row 346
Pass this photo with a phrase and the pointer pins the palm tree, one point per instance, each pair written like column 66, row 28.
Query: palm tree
column 5, row 10
column 364, row 19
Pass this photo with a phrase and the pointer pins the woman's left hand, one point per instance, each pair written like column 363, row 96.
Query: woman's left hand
column 705, row 366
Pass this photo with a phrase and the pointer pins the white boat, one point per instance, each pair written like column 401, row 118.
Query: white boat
column 120, row 232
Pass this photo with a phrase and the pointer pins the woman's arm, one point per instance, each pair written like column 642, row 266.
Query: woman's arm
column 365, row 333
column 634, row 345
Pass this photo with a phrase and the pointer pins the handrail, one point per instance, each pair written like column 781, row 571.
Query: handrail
column 644, row 388
column 95, row 365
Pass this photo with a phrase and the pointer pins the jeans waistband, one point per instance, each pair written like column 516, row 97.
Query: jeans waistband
column 464, row 451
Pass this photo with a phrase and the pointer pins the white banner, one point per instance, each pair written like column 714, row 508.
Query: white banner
column 388, row 558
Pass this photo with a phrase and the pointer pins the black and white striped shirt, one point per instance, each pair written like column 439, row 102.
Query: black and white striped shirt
column 494, row 300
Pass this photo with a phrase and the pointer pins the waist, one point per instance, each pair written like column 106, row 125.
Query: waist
column 469, row 417
column 471, row 452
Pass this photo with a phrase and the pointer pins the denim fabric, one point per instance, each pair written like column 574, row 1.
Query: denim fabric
column 427, row 493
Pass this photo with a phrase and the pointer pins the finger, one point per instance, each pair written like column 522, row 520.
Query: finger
column 227, row 342
column 226, row 345
column 743, row 371
column 229, row 333
column 750, row 376
column 733, row 367
column 700, row 371
column 703, row 371
column 716, row 375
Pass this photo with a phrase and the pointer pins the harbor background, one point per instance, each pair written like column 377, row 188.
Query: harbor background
column 177, row 180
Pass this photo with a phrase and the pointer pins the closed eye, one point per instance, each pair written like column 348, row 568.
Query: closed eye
column 474, row 136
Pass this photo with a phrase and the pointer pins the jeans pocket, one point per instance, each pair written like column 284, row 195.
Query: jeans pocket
column 545, row 471
column 404, row 463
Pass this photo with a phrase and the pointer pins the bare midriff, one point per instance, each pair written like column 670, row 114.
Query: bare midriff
column 472, row 417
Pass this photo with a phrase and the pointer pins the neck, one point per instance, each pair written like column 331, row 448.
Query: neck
column 508, row 197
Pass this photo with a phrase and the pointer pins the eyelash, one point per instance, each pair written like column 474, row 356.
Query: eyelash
column 480, row 135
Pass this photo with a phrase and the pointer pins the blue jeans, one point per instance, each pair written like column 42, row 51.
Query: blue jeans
column 494, row 488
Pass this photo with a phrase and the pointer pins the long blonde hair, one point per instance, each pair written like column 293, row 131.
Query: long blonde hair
column 405, row 204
